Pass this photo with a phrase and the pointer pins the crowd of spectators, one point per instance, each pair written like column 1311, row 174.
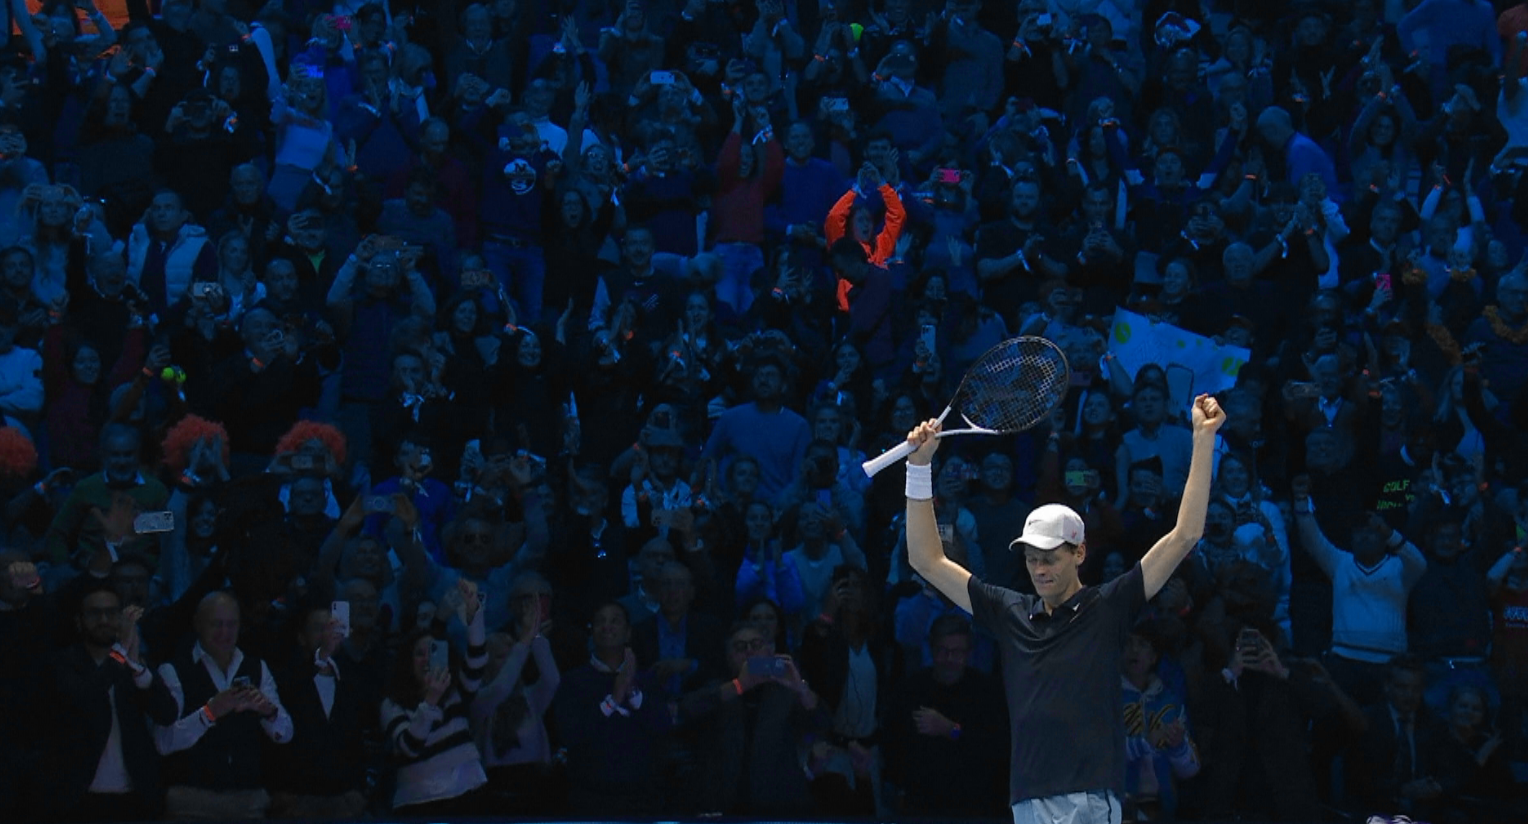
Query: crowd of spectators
column 506, row 369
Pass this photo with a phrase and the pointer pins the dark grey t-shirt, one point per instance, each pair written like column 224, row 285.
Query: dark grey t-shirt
column 1062, row 676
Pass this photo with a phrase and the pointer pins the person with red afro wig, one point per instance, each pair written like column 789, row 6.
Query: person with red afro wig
column 180, row 443
column 18, row 456
column 304, row 432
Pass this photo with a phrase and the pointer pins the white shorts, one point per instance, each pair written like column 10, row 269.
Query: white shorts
column 1073, row 808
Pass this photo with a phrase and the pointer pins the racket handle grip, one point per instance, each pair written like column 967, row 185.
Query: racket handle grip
column 887, row 458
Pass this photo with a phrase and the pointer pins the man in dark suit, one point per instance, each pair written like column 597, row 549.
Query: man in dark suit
column 1364, row 255
column 28, row 620
column 1391, row 766
column 947, row 732
column 748, row 733
column 102, row 759
column 681, row 646
column 321, row 773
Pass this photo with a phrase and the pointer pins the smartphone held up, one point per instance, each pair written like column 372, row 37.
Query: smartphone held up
column 768, row 667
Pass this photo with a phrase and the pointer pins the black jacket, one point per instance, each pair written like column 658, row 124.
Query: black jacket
column 965, row 776
column 1377, row 767
column 326, row 755
column 747, row 750
column 824, row 662
column 83, row 697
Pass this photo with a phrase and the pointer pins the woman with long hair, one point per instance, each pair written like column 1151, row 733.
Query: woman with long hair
column 572, row 246
column 850, row 376
column 461, row 333
column 78, row 389
column 53, row 219
column 1095, row 162
column 689, row 367
column 1379, row 142
column 1098, row 436
column 236, row 274
column 304, row 135
column 530, row 386
column 770, row 619
column 198, row 546
column 425, row 718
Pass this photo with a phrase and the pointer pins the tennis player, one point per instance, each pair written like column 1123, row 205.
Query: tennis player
column 1062, row 647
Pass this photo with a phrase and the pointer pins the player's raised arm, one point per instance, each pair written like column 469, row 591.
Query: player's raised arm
column 1164, row 557
column 924, row 549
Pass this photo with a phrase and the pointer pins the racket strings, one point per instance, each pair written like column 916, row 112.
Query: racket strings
column 1014, row 386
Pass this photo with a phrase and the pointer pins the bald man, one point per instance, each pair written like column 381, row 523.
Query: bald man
column 1504, row 359
column 248, row 211
column 1301, row 154
column 1240, row 293
column 225, row 701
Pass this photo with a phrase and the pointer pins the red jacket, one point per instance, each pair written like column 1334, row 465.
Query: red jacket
column 739, row 205
column 882, row 248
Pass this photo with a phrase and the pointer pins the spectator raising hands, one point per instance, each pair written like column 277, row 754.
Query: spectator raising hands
column 376, row 382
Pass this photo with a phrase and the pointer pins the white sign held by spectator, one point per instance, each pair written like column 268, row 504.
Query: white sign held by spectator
column 1136, row 341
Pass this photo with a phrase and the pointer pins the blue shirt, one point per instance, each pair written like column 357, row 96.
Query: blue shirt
column 915, row 616
column 671, row 644
column 1303, row 156
column 777, row 441
column 436, row 507
column 1450, row 23
column 807, row 193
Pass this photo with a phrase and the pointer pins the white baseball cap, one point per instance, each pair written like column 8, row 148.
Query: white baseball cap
column 1050, row 526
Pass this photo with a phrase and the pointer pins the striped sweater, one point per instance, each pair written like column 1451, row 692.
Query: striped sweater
column 432, row 746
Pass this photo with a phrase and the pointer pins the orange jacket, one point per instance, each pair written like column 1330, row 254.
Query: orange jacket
column 880, row 250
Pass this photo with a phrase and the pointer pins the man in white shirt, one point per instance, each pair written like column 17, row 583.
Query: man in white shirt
column 322, row 773
column 1154, row 436
column 225, row 701
column 103, row 762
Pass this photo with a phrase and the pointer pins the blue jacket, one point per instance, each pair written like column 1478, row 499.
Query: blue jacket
column 383, row 139
column 1150, row 772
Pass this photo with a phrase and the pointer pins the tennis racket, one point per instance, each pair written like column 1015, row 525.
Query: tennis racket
column 1010, row 388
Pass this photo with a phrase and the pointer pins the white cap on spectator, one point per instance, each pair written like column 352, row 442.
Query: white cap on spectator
column 1050, row 526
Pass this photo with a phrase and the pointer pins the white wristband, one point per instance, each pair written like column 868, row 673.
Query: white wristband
column 920, row 482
